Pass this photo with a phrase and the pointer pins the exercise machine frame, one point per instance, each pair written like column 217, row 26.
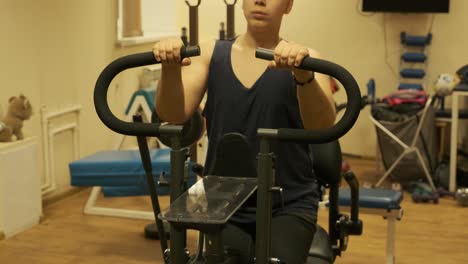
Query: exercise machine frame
column 266, row 185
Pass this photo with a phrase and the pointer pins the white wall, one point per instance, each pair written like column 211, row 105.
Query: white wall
column 53, row 51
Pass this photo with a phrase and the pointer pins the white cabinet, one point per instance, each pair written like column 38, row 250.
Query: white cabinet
column 20, row 186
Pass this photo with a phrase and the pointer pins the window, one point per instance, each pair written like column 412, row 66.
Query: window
column 143, row 21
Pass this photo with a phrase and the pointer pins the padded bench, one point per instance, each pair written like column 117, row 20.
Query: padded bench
column 120, row 173
column 383, row 202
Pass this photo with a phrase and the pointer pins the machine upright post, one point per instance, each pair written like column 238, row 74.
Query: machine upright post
column 264, row 202
column 178, row 235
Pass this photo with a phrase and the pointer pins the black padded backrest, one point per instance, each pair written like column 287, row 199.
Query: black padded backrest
column 234, row 157
column 321, row 250
column 327, row 162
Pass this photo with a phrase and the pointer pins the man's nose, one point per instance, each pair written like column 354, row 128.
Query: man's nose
column 260, row 2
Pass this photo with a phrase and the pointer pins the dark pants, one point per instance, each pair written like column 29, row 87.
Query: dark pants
column 291, row 237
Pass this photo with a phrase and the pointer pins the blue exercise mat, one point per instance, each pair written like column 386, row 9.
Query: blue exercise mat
column 120, row 172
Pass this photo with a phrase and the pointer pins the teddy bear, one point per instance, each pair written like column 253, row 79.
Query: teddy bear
column 19, row 109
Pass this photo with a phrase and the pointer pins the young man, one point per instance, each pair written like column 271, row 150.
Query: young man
column 244, row 94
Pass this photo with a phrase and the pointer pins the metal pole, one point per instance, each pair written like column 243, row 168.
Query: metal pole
column 231, row 32
column 193, row 20
column 264, row 202
column 178, row 235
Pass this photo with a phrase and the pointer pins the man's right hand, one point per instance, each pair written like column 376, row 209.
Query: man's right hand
column 167, row 51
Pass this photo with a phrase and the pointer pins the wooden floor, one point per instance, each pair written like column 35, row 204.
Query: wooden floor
column 428, row 233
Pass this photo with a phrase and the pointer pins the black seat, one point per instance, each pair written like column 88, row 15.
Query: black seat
column 327, row 163
column 234, row 157
column 320, row 251
column 327, row 166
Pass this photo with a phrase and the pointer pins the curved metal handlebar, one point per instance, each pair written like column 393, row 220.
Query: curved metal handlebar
column 328, row 134
column 285, row 134
column 102, row 86
column 234, row 2
column 194, row 5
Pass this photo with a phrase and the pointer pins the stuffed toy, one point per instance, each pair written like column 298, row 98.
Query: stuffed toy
column 445, row 83
column 11, row 124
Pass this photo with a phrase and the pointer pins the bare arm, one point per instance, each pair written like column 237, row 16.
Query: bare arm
column 315, row 97
column 182, row 84
column 316, row 100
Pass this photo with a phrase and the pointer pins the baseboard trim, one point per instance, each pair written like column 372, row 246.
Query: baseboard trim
column 358, row 156
column 57, row 197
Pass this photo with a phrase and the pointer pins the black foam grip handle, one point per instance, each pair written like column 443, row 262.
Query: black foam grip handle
column 264, row 54
column 352, row 110
column 105, row 79
column 190, row 51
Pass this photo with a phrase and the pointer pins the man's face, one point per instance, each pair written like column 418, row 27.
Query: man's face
column 263, row 13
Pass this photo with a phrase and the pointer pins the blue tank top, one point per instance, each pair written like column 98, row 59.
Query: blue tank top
column 270, row 103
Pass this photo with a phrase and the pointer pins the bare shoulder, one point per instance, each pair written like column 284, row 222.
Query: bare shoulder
column 207, row 48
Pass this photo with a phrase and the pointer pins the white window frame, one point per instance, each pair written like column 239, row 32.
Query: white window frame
column 158, row 22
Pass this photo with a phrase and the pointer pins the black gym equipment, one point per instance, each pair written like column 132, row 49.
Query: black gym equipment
column 191, row 132
column 183, row 36
column 209, row 204
column 367, row 99
column 193, row 21
column 230, row 19
column 222, row 31
column 230, row 32
column 463, row 74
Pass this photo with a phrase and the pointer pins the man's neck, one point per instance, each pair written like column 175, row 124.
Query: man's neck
column 253, row 40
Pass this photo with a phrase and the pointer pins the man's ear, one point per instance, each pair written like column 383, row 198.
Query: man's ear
column 289, row 7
